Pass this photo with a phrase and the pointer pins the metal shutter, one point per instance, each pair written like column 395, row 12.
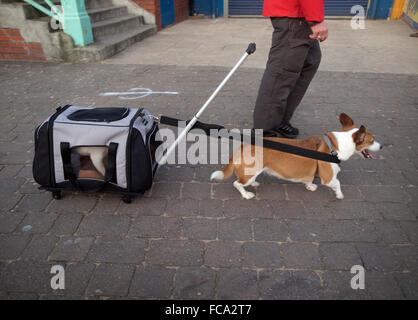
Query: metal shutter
column 245, row 7
column 255, row 7
column 342, row 7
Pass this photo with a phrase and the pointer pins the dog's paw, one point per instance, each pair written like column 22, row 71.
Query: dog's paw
column 255, row 184
column 248, row 195
column 339, row 195
column 311, row 187
column 217, row 176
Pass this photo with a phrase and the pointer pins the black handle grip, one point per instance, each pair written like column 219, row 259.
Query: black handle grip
column 251, row 48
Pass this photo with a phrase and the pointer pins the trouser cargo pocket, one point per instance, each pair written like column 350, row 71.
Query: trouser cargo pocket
column 296, row 54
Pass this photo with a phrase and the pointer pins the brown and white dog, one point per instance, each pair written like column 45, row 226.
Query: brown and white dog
column 350, row 140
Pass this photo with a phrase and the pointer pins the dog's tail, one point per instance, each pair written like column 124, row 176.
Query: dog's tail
column 223, row 174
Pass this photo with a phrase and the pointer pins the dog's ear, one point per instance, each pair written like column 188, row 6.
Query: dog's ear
column 346, row 121
column 358, row 136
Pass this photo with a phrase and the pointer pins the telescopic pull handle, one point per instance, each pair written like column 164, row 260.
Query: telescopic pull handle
column 251, row 48
column 182, row 134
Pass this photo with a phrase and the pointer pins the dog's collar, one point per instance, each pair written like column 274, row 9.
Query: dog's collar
column 329, row 144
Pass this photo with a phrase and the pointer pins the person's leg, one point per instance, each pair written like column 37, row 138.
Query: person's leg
column 271, row 104
column 290, row 47
column 308, row 72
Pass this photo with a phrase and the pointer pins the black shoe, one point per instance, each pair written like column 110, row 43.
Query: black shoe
column 268, row 133
column 271, row 133
column 287, row 131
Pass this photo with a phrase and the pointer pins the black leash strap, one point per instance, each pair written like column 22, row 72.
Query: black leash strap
column 274, row 145
column 198, row 125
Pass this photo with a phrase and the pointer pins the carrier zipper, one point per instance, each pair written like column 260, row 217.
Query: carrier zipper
column 36, row 136
column 149, row 135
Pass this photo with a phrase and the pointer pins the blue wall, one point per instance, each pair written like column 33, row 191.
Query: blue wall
column 379, row 9
column 167, row 12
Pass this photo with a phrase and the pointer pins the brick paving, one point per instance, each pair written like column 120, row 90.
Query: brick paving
column 188, row 238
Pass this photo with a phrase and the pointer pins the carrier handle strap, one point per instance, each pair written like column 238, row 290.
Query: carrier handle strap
column 111, row 163
column 66, row 161
column 72, row 177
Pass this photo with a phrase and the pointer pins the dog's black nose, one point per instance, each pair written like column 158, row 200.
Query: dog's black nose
column 381, row 146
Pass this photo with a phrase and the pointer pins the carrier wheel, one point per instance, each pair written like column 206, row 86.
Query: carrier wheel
column 56, row 195
column 127, row 199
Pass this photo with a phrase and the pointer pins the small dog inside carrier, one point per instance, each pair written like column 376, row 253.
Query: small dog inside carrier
column 96, row 150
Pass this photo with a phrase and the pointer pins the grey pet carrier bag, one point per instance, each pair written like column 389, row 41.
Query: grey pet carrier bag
column 125, row 137
column 74, row 143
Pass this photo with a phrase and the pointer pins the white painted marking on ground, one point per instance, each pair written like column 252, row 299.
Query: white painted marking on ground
column 137, row 93
column 27, row 228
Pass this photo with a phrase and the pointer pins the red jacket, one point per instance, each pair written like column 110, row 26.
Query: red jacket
column 311, row 10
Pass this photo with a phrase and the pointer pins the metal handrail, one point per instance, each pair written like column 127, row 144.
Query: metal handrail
column 73, row 17
column 53, row 13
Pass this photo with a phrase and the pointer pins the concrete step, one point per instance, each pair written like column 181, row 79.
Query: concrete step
column 109, row 46
column 119, row 42
column 95, row 4
column 115, row 25
column 101, row 14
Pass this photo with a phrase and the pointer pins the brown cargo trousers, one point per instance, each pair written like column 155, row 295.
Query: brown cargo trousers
column 293, row 61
